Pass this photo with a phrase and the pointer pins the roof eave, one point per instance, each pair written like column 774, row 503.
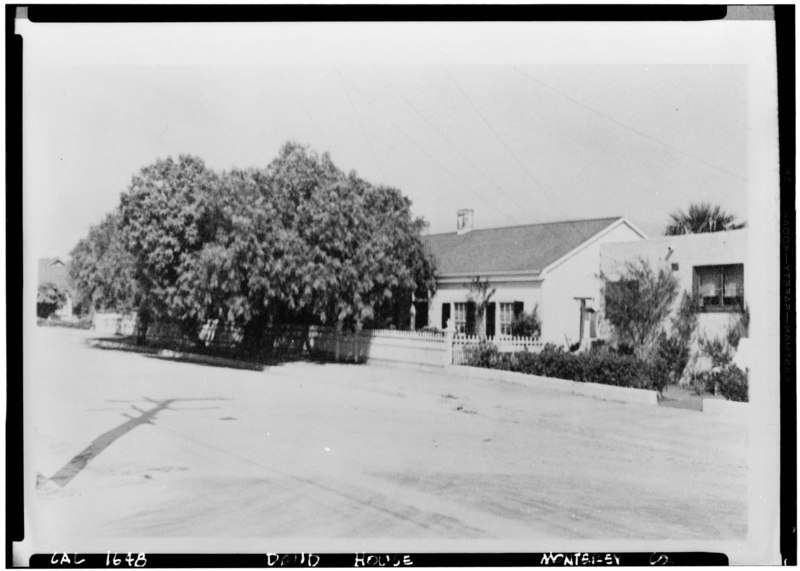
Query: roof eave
column 520, row 275
column 620, row 221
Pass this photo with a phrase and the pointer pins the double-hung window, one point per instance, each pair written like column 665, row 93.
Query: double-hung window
column 720, row 288
column 506, row 317
column 460, row 317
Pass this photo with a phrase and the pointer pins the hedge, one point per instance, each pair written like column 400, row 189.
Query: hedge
column 81, row 324
column 601, row 366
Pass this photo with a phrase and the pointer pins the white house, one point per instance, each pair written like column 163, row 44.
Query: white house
column 711, row 265
column 552, row 267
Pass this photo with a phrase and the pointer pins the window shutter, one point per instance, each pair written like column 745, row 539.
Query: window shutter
column 519, row 307
column 490, row 319
column 445, row 314
column 471, row 318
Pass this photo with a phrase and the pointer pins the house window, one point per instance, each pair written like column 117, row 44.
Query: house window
column 506, row 317
column 720, row 288
column 460, row 317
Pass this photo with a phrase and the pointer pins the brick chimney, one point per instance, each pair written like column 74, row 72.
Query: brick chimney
column 464, row 220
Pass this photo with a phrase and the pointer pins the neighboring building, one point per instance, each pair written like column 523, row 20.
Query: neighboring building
column 552, row 267
column 711, row 265
column 55, row 271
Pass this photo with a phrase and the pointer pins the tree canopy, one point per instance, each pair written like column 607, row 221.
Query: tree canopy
column 297, row 241
column 699, row 218
column 101, row 268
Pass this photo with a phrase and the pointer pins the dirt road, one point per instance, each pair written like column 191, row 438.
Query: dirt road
column 125, row 445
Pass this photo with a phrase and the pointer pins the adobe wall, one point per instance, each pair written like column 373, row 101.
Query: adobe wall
column 689, row 251
column 577, row 276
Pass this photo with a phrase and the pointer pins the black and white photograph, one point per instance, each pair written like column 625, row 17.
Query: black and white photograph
column 401, row 287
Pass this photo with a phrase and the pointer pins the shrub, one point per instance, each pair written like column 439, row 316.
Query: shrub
column 603, row 367
column 483, row 354
column 599, row 345
column 81, row 324
column 674, row 353
column 675, row 349
column 731, row 382
column 49, row 299
column 526, row 324
column 637, row 303
column 738, row 328
column 719, row 350
column 660, row 373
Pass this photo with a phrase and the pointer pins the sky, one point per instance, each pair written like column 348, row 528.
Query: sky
column 452, row 118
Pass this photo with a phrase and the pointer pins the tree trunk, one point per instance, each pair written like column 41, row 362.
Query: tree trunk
column 143, row 323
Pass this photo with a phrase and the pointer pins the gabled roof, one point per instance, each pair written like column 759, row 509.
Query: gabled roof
column 513, row 249
column 53, row 270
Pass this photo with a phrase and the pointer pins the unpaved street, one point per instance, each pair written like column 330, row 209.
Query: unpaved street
column 130, row 445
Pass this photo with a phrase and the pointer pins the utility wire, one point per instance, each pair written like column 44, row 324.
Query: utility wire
column 628, row 127
column 450, row 143
column 360, row 125
column 424, row 152
column 297, row 98
column 512, row 154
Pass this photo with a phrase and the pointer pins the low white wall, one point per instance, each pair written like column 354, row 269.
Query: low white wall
column 108, row 323
column 686, row 252
column 724, row 407
column 381, row 345
column 594, row 390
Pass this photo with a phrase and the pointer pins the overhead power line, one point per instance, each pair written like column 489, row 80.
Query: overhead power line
column 360, row 125
column 628, row 127
column 511, row 153
column 450, row 143
column 466, row 185
column 299, row 100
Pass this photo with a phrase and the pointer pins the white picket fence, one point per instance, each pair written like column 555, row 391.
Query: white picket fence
column 504, row 344
column 426, row 348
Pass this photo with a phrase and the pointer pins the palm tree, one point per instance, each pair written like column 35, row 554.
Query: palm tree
column 702, row 217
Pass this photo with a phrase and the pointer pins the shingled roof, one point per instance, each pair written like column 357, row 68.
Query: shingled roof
column 529, row 248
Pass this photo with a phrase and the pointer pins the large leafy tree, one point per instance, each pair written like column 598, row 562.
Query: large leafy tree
column 238, row 274
column 353, row 251
column 101, row 268
column 297, row 241
column 638, row 302
column 166, row 219
column 699, row 218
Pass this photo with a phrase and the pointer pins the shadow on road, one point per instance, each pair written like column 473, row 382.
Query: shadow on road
column 209, row 358
column 72, row 468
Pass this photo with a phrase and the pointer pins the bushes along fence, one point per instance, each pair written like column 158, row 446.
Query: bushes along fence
column 603, row 367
